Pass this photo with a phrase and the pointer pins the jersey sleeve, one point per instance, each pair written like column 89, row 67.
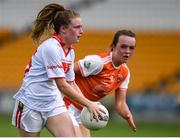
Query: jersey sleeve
column 52, row 60
column 70, row 76
column 90, row 65
column 124, row 84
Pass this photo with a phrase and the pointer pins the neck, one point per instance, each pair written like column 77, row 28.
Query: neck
column 115, row 64
column 64, row 41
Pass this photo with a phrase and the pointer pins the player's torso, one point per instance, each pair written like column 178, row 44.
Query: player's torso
column 107, row 81
column 41, row 92
column 37, row 66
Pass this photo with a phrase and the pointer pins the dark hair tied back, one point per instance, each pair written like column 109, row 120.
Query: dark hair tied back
column 45, row 19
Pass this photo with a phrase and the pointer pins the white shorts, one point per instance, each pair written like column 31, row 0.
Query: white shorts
column 31, row 120
column 75, row 115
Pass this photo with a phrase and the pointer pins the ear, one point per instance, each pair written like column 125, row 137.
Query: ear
column 62, row 29
column 113, row 46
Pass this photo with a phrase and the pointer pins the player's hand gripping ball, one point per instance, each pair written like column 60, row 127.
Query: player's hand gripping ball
column 90, row 122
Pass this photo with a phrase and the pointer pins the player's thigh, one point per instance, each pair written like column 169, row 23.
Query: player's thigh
column 78, row 132
column 85, row 132
column 75, row 117
column 60, row 125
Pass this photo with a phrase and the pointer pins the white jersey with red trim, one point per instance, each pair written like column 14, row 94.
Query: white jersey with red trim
column 39, row 90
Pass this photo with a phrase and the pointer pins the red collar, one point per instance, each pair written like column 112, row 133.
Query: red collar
column 56, row 36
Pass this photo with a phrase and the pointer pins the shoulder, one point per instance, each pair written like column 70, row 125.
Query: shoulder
column 125, row 70
column 125, row 66
column 50, row 46
column 91, row 64
column 94, row 60
column 50, row 41
column 105, row 57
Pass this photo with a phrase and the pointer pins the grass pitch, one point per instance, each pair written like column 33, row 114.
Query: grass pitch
column 113, row 129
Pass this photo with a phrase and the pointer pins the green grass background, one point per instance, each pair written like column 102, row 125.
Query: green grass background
column 114, row 128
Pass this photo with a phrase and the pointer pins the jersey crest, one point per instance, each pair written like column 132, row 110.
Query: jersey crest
column 87, row 64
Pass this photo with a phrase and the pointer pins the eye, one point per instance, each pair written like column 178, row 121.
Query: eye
column 132, row 47
column 123, row 46
column 78, row 26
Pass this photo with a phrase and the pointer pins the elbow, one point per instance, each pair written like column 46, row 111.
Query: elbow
column 62, row 85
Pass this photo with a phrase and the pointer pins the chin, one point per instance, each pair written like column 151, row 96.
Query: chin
column 77, row 41
column 125, row 61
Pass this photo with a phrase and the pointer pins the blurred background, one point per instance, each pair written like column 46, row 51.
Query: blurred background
column 154, row 89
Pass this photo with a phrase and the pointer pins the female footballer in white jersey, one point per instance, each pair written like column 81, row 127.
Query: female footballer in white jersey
column 49, row 76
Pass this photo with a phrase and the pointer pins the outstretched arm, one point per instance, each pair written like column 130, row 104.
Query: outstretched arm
column 74, row 93
column 122, row 107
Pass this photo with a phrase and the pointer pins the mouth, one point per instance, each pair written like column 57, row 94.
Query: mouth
column 78, row 37
column 125, row 57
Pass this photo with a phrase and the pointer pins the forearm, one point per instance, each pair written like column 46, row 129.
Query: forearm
column 75, row 86
column 124, row 111
column 122, row 108
column 74, row 94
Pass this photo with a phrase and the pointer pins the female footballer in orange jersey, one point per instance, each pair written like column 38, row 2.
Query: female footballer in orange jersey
column 103, row 74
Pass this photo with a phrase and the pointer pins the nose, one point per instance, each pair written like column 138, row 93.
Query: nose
column 128, row 50
column 81, row 30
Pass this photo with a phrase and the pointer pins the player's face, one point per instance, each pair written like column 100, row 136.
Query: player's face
column 124, row 49
column 74, row 31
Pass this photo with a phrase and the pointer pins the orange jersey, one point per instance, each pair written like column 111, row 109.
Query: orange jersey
column 99, row 77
